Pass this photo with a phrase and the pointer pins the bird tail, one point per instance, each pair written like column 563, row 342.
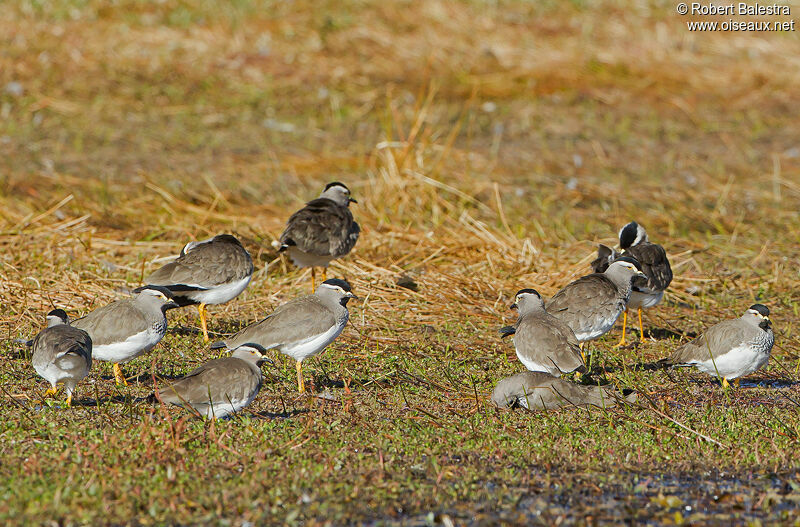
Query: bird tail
column 285, row 244
column 507, row 331
column 218, row 345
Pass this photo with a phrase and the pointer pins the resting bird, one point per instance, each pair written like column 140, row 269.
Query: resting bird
column 211, row 271
column 127, row 328
column 543, row 342
column 62, row 354
column 321, row 231
column 729, row 349
column 652, row 257
column 541, row 391
column 591, row 304
column 221, row 386
column 300, row 328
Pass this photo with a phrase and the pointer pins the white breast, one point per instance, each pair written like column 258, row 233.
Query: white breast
column 603, row 326
column 128, row 349
column 219, row 294
column 738, row 362
column 309, row 347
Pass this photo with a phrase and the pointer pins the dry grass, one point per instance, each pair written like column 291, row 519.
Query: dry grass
column 490, row 146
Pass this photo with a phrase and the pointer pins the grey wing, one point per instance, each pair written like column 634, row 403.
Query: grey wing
column 205, row 265
column 113, row 323
column 296, row 320
column 655, row 265
column 546, row 342
column 67, row 347
column 322, row 228
column 717, row 340
column 578, row 303
column 216, row 381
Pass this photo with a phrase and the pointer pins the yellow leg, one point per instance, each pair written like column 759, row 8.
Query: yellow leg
column 201, row 308
column 118, row 376
column 300, row 385
column 725, row 383
column 69, row 400
column 736, row 382
column 583, row 355
column 51, row 391
column 624, row 324
column 313, row 280
column 641, row 327
column 324, row 273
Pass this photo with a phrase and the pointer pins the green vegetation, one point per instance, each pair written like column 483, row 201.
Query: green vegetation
column 491, row 146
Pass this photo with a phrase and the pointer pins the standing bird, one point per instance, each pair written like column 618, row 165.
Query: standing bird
column 321, row 231
column 729, row 349
column 220, row 386
column 127, row 328
column 211, row 271
column 652, row 257
column 591, row 304
column 300, row 328
column 62, row 353
column 540, row 391
column 543, row 342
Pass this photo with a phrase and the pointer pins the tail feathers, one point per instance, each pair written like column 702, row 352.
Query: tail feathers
column 286, row 244
column 218, row 345
column 507, row 331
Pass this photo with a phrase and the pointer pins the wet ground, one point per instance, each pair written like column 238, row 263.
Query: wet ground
column 715, row 498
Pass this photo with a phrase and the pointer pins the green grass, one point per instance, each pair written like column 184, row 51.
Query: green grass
column 491, row 146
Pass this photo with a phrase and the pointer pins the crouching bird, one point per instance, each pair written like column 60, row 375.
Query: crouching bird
column 219, row 387
column 729, row 349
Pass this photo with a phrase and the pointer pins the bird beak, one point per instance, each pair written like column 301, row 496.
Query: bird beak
column 267, row 360
column 513, row 306
column 351, row 200
column 171, row 305
column 351, row 295
column 639, row 273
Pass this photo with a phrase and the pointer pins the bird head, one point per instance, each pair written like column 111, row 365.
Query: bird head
column 527, row 299
column 338, row 193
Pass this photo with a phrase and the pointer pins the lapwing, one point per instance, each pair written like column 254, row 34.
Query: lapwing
column 730, row 349
column 211, row 271
column 127, row 328
column 300, row 328
column 321, row 231
column 541, row 391
column 543, row 342
column 652, row 257
column 591, row 304
column 62, row 354
column 221, row 386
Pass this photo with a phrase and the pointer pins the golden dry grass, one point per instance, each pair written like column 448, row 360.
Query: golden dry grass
column 490, row 146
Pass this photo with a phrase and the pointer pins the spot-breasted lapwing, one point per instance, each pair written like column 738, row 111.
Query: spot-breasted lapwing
column 591, row 304
column 652, row 257
column 300, row 328
column 220, row 386
column 62, row 354
column 127, row 328
column 321, row 231
column 211, row 271
column 541, row 391
column 730, row 349
column 543, row 342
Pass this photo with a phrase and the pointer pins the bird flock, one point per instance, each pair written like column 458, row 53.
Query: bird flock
column 550, row 336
